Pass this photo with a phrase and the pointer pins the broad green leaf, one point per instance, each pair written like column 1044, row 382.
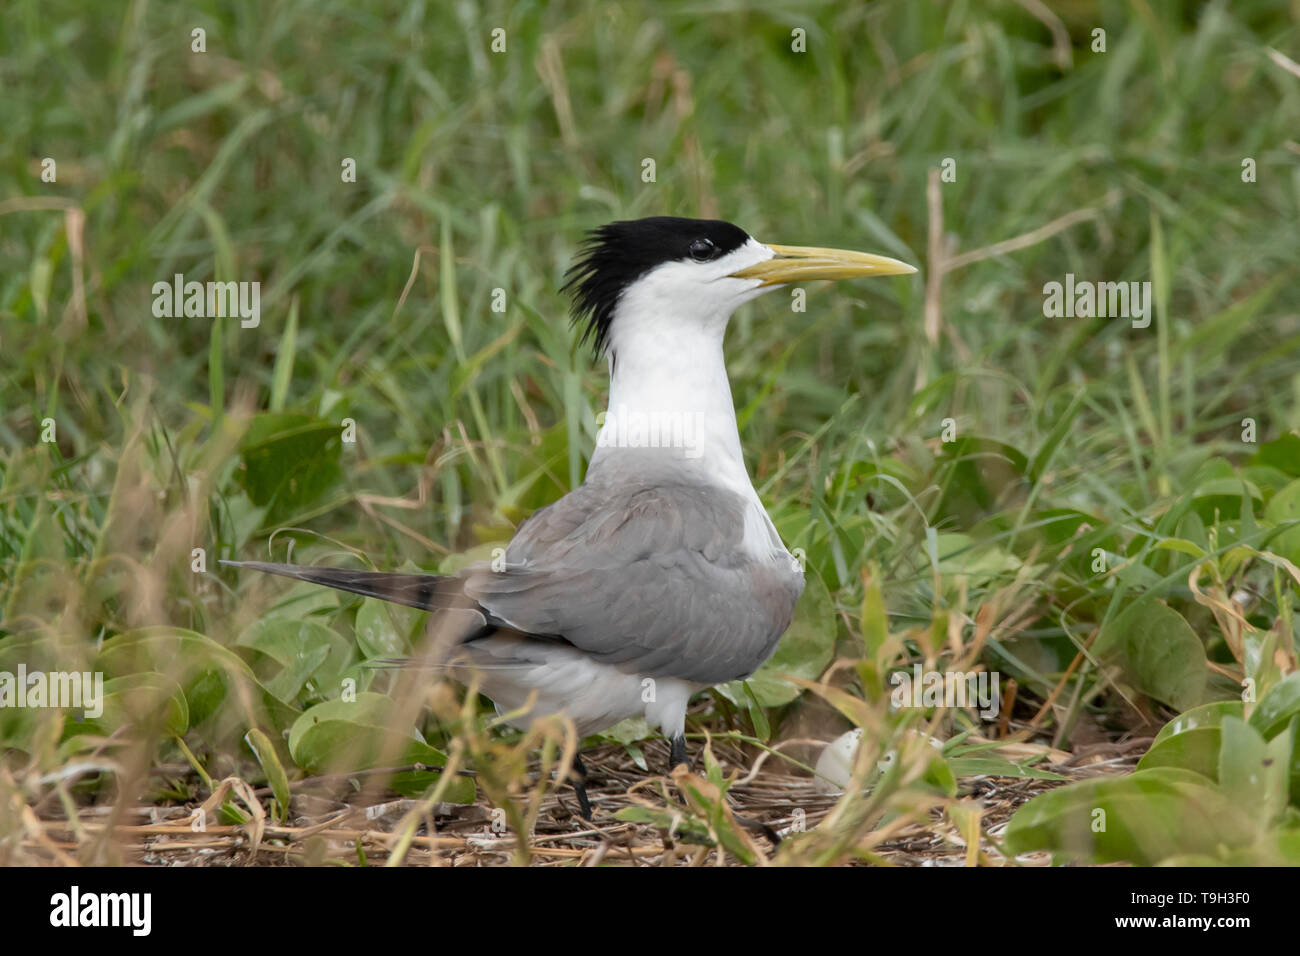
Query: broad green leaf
column 225, row 698
column 1226, row 487
column 300, row 650
column 974, row 474
column 1206, row 715
column 148, row 702
column 1282, row 453
column 1252, row 772
column 1277, row 847
column 1164, row 656
column 1191, row 740
column 1196, row 750
column 369, row 712
column 288, row 682
column 288, row 461
column 630, row 730
column 483, row 553
column 940, row 775
column 383, row 629
column 341, row 736
column 1143, row 818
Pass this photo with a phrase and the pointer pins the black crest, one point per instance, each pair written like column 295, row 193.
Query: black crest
column 616, row 255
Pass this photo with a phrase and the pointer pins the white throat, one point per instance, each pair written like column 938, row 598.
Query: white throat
column 668, row 386
column 668, row 389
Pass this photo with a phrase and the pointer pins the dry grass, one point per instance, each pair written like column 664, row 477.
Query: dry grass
column 336, row 820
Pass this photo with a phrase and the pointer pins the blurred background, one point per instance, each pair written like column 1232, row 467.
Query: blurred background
column 1076, row 503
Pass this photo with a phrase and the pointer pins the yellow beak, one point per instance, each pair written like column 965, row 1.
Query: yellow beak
column 805, row 263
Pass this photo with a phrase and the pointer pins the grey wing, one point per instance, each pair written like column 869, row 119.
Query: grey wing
column 652, row 578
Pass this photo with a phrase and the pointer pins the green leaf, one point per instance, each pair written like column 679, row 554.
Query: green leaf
column 1284, row 507
column 1164, row 656
column 216, row 373
column 19, row 725
column 288, row 461
column 1254, row 773
column 762, row 728
column 1143, row 818
column 1192, row 739
column 264, row 750
column 684, row 829
column 1181, row 544
column 1279, row 706
column 940, row 775
column 1282, row 453
column 284, row 356
column 416, row 783
column 629, row 731
column 975, row 473
column 964, row 767
column 875, row 619
column 960, row 554
column 224, row 697
column 288, row 683
column 382, row 629
column 299, row 650
column 1198, row 718
column 1196, row 750
column 149, row 702
column 1225, row 487
column 339, row 736
column 1062, row 426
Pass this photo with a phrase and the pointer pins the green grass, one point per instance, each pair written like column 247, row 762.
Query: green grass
column 479, row 171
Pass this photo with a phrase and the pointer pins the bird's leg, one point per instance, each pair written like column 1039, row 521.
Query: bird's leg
column 579, row 781
column 677, row 751
column 677, row 755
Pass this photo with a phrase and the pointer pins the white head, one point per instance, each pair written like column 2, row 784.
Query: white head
column 664, row 277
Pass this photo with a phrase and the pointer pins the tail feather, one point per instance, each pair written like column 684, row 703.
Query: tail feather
column 428, row 592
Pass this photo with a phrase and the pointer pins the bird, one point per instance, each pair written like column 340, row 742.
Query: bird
column 661, row 574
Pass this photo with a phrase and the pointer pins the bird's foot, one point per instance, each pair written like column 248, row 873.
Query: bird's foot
column 757, row 826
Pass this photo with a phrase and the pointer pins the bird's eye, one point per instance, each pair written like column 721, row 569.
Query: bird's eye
column 702, row 250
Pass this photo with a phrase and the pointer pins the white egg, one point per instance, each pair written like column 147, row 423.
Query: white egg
column 835, row 765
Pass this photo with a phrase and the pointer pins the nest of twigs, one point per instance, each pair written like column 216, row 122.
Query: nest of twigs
column 339, row 819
